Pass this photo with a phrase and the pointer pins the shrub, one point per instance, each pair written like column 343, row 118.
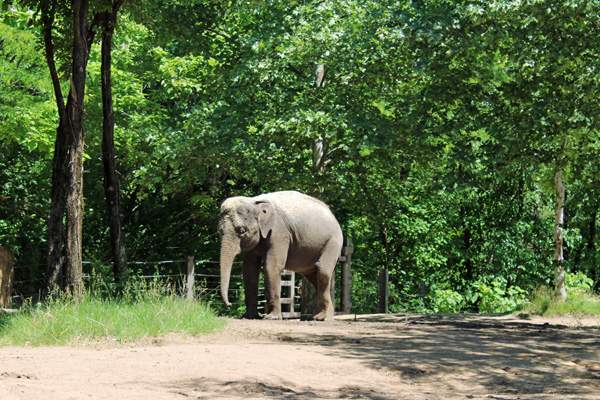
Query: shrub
column 447, row 301
column 495, row 297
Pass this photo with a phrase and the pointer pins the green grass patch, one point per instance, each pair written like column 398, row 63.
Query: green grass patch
column 134, row 316
column 543, row 302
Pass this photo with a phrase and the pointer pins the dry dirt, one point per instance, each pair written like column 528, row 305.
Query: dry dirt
column 368, row 357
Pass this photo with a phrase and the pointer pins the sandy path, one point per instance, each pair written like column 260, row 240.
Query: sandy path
column 391, row 357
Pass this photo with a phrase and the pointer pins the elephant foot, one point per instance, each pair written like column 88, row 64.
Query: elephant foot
column 322, row 316
column 248, row 315
column 272, row 316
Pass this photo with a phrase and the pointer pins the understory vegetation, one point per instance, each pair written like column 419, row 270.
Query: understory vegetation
column 494, row 298
column 139, row 312
column 442, row 134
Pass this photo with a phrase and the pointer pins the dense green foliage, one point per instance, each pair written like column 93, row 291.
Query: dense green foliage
column 442, row 124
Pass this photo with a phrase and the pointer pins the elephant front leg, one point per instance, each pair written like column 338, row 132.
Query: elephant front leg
column 273, row 268
column 251, row 272
column 273, row 294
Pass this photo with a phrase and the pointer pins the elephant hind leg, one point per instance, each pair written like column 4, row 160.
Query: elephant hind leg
column 321, row 280
column 324, row 274
column 324, row 307
column 312, row 277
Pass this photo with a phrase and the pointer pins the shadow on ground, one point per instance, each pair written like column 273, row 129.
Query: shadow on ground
column 476, row 353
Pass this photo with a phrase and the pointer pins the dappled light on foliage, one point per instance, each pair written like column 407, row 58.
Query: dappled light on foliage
column 434, row 130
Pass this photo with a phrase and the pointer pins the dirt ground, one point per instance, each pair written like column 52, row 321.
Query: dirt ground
column 363, row 357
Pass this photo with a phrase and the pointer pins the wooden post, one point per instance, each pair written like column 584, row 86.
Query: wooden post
column 189, row 283
column 308, row 300
column 382, row 306
column 422, row 290
column 6, row 276
column 346, row 284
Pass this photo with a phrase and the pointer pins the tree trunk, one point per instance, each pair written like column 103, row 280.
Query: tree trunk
column 560, row 289
column 74, row 217
column 308, row 301
column 6, row 276
column 383, row 282
column 54, row 258
column 318, row 144
column 383, row 276
column 591, row 240
column 111, row 179
column 67, row 174
column 559, row 265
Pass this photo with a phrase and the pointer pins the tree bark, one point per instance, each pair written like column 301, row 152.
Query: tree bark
column 111, row 179
column 318, row 145
column 54, row 257
column 591, row 240
column 6, row 276
column 55, row 240
column 383, row 282
column 67, row 173
column 308, row 300
column 560, row 289
column 74, row 210
column 559, row 267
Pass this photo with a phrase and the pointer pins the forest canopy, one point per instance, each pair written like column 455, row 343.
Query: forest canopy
column 440, row 133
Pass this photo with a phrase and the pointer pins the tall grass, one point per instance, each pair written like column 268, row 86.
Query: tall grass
column 582, row 302
column 137, row 313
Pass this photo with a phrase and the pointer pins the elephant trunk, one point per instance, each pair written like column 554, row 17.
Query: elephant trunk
column 230, row 247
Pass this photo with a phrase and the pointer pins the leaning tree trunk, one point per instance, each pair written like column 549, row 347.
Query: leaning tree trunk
column 111, row 179
column 54, row 258
column 58, row 198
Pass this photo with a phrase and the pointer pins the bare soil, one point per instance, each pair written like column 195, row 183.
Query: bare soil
column 364, row 357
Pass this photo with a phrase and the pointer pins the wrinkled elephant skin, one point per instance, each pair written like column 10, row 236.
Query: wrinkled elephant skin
column 281, row 230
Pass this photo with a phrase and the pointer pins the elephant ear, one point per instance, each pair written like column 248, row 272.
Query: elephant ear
column 266, row 217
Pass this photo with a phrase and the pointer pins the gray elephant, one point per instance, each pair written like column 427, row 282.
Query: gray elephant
column 283, row 230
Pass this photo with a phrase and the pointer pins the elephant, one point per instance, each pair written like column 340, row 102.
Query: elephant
column 282, row 230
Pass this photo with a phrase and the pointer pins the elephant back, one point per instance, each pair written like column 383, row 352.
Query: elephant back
column 294, row 204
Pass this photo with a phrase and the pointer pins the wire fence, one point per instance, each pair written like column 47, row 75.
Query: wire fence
column 207, row 288
column 170, row 275
column 29, row 282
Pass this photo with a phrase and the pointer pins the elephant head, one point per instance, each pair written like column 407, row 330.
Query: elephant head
column 242, row 224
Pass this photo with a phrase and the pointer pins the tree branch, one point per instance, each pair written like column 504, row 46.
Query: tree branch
column 48, row 12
